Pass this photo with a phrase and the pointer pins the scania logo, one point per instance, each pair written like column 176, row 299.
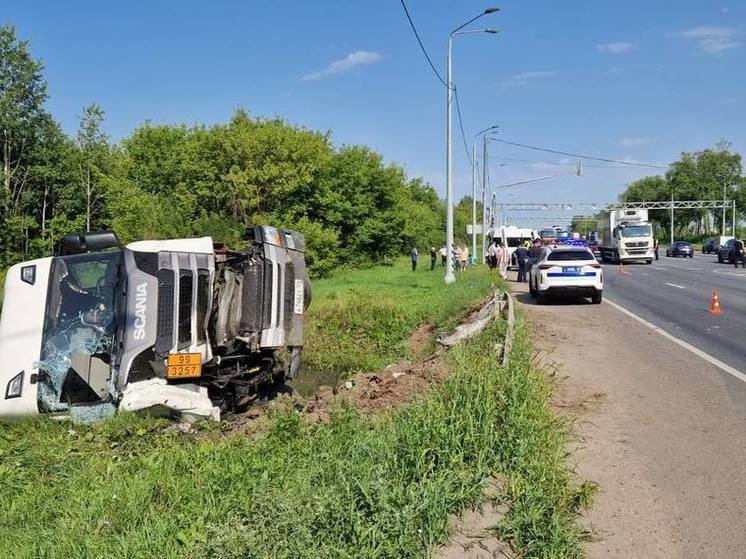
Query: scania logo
column 141, row 306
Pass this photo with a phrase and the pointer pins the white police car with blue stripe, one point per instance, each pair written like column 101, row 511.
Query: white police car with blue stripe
column 566, row 270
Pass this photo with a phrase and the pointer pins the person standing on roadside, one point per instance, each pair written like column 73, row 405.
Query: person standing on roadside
column 491, row 256
column 521, row 258
column 443, row 255
column 414, row 255
column 464, row 256
column 433, row 257
column 502, row 264
column 656, row 244
column 738, row 250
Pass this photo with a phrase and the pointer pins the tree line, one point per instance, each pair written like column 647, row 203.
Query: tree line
column 711, row 174
column 167, row 180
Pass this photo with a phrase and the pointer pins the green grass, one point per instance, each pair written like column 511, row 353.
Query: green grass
column 353, row 487
column 361, row 320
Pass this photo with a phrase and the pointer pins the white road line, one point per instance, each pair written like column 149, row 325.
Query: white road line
column 674, row 285
column 696, row 351
column 735, row 274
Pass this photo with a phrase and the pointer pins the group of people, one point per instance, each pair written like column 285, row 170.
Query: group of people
column 459, row 257
column 498, row 257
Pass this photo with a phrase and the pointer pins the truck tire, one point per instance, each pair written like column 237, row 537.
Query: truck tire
column 649, row 261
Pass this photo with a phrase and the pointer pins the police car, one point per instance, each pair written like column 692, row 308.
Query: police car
column 566, row 270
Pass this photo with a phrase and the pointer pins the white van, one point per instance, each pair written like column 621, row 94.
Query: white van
column 512, row 237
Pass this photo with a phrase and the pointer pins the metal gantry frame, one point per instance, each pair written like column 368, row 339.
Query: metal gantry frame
column 670, row 205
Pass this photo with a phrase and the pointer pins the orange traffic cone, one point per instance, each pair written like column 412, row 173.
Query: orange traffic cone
column 715, row 303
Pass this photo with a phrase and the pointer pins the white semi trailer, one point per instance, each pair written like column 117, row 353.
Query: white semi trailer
column 626, row 236
column 182, row 326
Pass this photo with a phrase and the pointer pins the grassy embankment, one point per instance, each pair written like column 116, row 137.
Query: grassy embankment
column 353, row 487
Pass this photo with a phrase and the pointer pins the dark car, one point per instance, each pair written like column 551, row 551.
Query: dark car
column 727, row 253
column 710, row 246
column 595, row 249
column 680, row 248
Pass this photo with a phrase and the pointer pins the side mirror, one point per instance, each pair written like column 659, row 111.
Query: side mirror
column 90, row 242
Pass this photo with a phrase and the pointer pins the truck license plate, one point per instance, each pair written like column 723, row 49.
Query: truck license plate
column 571, row 269
column 184, row 365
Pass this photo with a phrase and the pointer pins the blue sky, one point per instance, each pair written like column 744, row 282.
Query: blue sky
column 641, row 80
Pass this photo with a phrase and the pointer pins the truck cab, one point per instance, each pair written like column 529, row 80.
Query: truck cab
column 627, row 236
column 182, row 325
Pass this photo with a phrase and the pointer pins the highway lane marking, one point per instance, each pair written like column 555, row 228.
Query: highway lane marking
column 735, row 274
column 674, row 285
column 696, row 351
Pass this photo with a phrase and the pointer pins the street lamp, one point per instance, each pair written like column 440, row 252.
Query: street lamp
column 474, row 193
column 450, row 277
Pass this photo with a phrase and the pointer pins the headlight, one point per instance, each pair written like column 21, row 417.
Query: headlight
column 15, row 387
column 28, row 274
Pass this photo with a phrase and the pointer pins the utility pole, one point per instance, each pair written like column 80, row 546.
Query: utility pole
column 733, row 230
column 724, row 210
column 671, row 217
column 484, row 197
column 474, row 202
column 450, row 276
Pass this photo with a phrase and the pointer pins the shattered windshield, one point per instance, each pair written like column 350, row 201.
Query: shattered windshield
column 79, row 329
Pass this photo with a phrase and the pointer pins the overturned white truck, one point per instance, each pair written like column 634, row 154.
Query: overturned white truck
column 182, row 327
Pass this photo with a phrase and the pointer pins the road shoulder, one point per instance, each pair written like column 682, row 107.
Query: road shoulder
column 659, row 429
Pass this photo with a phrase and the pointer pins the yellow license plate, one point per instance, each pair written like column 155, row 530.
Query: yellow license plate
column 184, row 365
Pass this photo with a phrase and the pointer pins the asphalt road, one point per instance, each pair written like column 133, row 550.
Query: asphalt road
column 674, row 294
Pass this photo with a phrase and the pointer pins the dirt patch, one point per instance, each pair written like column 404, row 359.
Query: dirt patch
column 380, row 391
column 421, row 339
column 473, row 536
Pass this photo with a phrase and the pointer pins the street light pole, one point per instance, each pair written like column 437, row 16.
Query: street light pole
column 474, row 194
column 450, row 277
column 724, row 210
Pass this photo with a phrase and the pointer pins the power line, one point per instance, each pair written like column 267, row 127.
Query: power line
column 557, row 163
column 589, row 157
column 440, row 78
column 461, row 126
column 422, row 47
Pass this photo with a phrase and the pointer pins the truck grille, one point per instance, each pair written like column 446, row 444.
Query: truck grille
column 637, row 244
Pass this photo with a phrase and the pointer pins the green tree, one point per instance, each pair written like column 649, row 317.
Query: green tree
column 92, row 159
column 23, row 92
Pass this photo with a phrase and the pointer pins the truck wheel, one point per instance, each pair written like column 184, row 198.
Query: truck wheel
column 650, row 261
column 596, row 299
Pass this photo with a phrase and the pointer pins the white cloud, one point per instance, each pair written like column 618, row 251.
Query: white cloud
column 725, row 10
column 357, row 58
column 523, row 78
column 614, row 48
column 712, row 39
column 636, row 142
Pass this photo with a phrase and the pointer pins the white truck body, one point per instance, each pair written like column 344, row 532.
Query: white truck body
column 626, row 236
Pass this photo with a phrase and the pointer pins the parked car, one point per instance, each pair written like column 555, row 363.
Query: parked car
column 727, row 253
column 566, row 270
column 680, row 248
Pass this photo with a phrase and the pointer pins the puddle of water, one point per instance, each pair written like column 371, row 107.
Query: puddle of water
column 308, row 381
